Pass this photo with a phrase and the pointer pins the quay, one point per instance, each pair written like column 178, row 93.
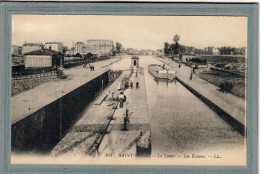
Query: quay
column 30, row 101
column 137, row 139
column 42, row 116
column 230, row 107
column 101, row 128
column 89, row 129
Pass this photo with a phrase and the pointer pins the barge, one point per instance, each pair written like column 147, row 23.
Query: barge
column 160, row 72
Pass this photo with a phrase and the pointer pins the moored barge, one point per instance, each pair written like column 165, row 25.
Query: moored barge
column 160, row 72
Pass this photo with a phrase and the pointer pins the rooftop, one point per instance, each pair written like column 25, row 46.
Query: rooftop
column 95, row 40
column 135, row 57
column 53, row 43
column 32, row 44
column 42, row 52
column 80, row 43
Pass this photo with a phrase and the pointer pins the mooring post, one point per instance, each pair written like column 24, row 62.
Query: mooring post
column 126, row 119
column 125, row 127
column 126, row 114
column 102, row 85
column 141, row 132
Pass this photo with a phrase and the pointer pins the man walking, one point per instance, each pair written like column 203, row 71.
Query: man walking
column 121, row 99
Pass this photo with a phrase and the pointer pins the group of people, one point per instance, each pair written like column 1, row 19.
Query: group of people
column 131, row 84
column 88, row 66
column 122, row 97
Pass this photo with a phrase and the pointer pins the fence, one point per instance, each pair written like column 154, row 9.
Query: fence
column 32, row 75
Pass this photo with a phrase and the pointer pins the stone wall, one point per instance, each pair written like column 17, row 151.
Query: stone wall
column 42, row 130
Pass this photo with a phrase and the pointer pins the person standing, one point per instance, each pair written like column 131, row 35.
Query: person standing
column 163, row 67
column 119, row 86
column 131, row 84
column 121, row 99
column 137, row 85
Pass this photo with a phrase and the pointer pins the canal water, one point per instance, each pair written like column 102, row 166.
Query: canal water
column 180, row 122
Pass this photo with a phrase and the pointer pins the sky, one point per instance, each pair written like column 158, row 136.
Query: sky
column 138, row 32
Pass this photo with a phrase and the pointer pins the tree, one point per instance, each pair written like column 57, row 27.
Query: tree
column 166, row 48
column 183, row 49
column 118, row 47
column 176, row 49
column 176, row 38
column 77, row 55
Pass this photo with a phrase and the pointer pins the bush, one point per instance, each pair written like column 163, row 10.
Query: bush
column 226, row 86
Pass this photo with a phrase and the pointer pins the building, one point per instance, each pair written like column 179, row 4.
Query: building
column 15, row 50
column 29, row 47
column 149, row 52
column 135, row 61
column 56, row 46
column 70, row 51
column 83, row 50
column 80, row 47
column 103, row 47
column 43, row 58
column 159, row 52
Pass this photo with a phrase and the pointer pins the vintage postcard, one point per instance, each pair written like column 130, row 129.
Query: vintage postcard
column 129, row 90
column 148, row 87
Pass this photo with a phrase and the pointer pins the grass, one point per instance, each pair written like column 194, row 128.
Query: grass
column 235, row 85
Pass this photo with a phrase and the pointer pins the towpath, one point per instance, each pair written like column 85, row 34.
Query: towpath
column 119, row 142
column 28, row 102
column 90, row 128
column 96, row 126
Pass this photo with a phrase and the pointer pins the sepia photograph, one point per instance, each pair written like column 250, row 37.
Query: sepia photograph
column 129, row 90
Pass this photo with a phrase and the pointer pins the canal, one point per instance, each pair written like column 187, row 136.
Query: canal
column 180, row 122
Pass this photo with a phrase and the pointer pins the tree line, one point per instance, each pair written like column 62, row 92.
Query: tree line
column 177, row 48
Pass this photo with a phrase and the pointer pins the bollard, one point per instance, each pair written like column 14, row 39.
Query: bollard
column 126, row 119
column 125, row 127
column 140, row 133
column 126, row 114
column 113, row 96
column 96, row 150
